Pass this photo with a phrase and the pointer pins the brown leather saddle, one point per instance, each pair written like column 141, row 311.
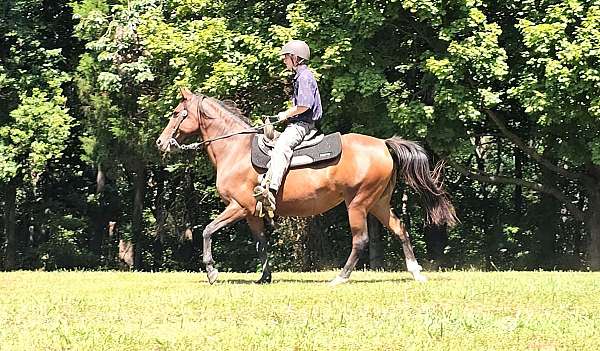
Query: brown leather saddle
column 316, row 147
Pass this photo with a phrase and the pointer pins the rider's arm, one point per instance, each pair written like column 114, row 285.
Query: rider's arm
column 291, row 112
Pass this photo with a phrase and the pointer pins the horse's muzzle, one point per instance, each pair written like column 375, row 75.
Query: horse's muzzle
column 163, row 146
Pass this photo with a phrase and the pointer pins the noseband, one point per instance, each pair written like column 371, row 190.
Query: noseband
column 182, row 115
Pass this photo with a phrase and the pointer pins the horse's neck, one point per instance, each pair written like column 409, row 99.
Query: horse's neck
column 224, row 152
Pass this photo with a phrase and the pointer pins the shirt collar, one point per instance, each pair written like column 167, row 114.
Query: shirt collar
column 300, row 69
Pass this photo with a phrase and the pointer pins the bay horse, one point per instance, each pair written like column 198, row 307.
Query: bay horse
column 363, row 177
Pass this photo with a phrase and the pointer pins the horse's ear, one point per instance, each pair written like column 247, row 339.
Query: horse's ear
column 186, row 93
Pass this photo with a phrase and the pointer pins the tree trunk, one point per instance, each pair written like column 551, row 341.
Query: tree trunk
column 376, row 244
column 139, row 187
column 2, row 225
column 111, row 247
column 544, row 238
column 518, row 192
column 310, row 244
column 436, row 240
column 592, row 219
column 99, row 215
column 100, row 179
column 10, row 222
column 126, row 254
column 494, row 235
column 579, row 245
column 593, row 226
column 161, row 216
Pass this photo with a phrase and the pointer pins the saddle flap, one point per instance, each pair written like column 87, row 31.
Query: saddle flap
column 320, row 148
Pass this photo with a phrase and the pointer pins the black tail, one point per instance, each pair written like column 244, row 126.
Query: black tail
column 413, row 166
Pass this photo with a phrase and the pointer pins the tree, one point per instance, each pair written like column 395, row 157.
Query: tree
column 34, row 119
column 114, row 79
column 523, row 73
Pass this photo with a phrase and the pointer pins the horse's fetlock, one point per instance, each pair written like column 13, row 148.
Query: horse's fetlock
column 361, row 244
column 413, row 266
column 208, row 260
column 206, row 233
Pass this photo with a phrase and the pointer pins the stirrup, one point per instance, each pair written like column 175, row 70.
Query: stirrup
column 265, row 202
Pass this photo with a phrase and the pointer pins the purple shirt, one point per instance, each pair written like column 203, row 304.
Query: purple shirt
column 306, row 93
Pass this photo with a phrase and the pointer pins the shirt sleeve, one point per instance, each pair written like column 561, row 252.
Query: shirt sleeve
column 306, row 91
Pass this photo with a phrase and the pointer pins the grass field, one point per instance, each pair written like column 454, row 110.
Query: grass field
column 375, row 311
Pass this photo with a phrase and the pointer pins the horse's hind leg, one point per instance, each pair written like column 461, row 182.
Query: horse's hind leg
column 360, row 239
column 386, row 216
column 257, row 227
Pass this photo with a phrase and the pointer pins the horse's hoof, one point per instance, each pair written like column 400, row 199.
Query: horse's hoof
column 419, row 277
column 337, row 281
column 264, row 279
column 212, row 276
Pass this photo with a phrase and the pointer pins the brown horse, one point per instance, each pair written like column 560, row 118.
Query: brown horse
column 363, row 177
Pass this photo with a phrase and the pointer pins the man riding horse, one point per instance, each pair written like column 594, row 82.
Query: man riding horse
column 363, row 176
column 306, row 110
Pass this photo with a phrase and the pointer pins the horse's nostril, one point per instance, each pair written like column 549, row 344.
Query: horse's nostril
column 158, row 142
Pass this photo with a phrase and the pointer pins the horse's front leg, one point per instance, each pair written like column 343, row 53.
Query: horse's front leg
column 257, row 227
column 233, row 213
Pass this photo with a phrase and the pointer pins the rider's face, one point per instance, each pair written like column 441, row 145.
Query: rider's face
column 287, row 59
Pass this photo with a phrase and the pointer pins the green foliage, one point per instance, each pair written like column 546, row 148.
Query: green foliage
column 37, row 122
column 38, row 133
column 63, row 249
column 558, row 88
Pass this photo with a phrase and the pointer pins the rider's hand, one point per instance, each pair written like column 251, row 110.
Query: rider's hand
column 281, row 116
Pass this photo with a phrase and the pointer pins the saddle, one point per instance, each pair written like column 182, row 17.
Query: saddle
column 316, row 147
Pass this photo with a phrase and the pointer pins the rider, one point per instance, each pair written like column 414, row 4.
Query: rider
column 306, row 110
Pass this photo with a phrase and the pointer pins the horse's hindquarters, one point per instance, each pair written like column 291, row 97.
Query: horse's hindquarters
column 363, row 170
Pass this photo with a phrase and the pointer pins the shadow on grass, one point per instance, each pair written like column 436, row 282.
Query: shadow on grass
column 324, row 281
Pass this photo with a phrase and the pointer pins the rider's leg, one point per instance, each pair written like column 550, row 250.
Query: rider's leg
column 293, row 135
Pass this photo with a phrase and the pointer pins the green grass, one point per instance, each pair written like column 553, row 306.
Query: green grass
column 375, row 311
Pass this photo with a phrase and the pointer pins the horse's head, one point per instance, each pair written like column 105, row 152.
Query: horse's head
column 184, row 122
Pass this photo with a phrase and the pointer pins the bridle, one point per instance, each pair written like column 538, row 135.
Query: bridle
column 183, row 114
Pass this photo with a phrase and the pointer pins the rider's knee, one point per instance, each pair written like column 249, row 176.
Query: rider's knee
column 284, row 150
